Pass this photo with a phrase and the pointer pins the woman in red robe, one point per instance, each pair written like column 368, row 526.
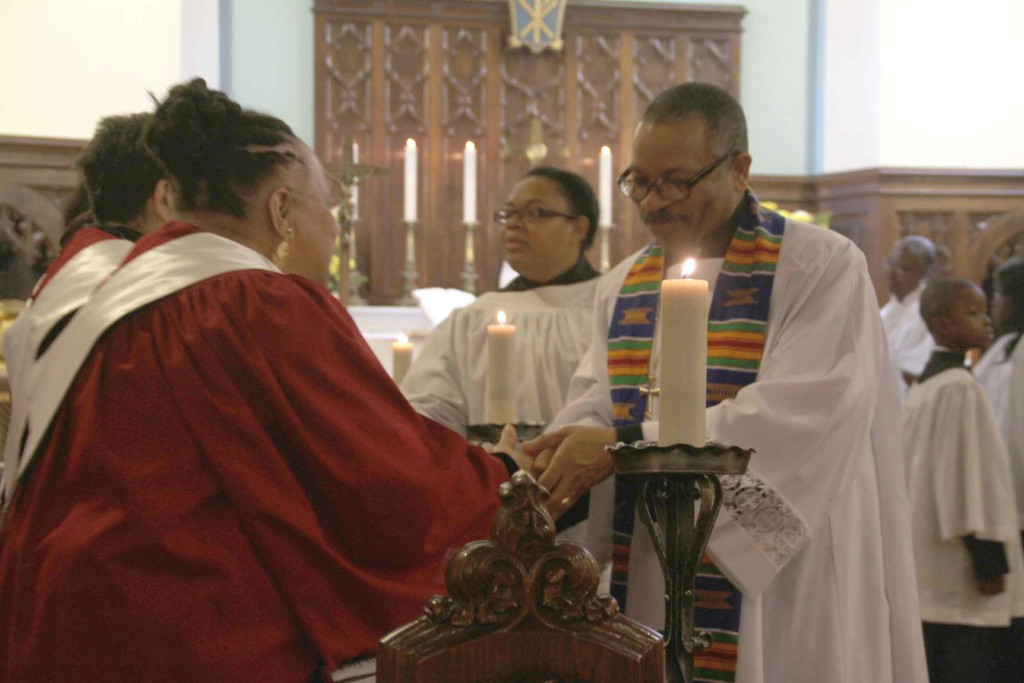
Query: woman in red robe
column 217, row 480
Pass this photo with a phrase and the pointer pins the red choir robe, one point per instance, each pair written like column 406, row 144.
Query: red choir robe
column 233, row 489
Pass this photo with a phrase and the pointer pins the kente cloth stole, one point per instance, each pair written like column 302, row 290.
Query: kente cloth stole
column 736, row 333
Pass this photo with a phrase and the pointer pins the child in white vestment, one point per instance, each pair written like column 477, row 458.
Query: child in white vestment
column 967, row 546
column 1001, row 373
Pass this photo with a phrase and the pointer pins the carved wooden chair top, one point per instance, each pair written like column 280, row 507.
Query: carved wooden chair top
column 521, row 607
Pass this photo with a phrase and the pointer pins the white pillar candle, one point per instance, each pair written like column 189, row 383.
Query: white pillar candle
column 355, row 183
column 683, row 346
column 401, row 357
column 605, row 186
column 500, row 407
column 410, row 180
column 469, row 184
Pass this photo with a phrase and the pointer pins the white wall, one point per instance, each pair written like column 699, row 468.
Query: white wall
column 851, row 98
column 923, row 83
column 951, row 93
column 269, row 55
column 64, row 64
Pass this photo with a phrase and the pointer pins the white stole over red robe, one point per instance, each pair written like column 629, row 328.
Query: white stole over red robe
column 88, row 258
column 214, row 499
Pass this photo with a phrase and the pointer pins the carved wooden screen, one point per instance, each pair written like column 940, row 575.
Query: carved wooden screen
column 440, row 72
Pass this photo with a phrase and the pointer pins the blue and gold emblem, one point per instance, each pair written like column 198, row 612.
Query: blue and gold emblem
column 536, row 24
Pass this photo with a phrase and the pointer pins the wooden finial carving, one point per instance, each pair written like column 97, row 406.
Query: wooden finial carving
column 522, row 572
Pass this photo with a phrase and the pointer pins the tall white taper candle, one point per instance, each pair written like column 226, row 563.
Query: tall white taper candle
column 469, row 184
column 605, row 186
column 683, row 346
column 409, row 179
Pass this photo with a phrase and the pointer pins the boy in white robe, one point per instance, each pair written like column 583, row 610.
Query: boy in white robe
column 970, row 569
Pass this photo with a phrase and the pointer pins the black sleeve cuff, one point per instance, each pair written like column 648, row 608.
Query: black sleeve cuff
column 506, row 460
column 988, row 558
column 629, row 433
column 574, row 515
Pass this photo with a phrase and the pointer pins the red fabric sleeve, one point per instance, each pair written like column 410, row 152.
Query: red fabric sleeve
column 352, row 499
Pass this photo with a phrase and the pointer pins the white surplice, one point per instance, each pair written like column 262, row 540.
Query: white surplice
column 448, row 380
column 816, row 534
column 958, row 476
column 910, row 343
column 1003, row 381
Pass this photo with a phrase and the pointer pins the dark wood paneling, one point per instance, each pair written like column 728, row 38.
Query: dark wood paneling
column 954, row 208
column 440, row 72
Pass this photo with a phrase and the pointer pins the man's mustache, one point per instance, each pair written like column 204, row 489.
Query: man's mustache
column 662, row 215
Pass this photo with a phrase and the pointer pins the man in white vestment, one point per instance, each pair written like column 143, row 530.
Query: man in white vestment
column 548, row 222
column 907, row 268
column 815, row 535
column 967, row 547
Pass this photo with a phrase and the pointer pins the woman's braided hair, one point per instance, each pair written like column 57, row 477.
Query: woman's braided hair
column 215, row 151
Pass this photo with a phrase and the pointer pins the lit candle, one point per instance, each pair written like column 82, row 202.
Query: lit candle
column 605, row 186
column 401, row 357
column 355, row 183
column 500, row 403
column 469, row 184
column 410, row 180
column 683, row 347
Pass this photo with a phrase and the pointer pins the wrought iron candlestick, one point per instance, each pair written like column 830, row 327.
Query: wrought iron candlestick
column 469, row 267
column 490, row 432
column 673, row 479
column 409, row 274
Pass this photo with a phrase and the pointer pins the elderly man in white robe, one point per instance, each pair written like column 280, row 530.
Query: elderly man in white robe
column 909, row 264
column 814, row 538
column 548, row 222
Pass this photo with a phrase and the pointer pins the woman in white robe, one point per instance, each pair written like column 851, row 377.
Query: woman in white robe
column 548, row 222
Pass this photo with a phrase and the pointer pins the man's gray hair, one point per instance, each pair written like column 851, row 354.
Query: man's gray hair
column 922, row 250
column 720, row 110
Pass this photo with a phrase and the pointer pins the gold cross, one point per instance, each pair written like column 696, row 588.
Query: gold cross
column 348, row 174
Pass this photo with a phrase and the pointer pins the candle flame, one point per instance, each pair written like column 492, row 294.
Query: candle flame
column 410, row 143
column 470, row 146
column 403, row 338
column 502, row 318
column 689, row 265
column 605, row 150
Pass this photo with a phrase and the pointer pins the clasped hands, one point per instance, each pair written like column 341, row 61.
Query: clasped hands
column 568, row 462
